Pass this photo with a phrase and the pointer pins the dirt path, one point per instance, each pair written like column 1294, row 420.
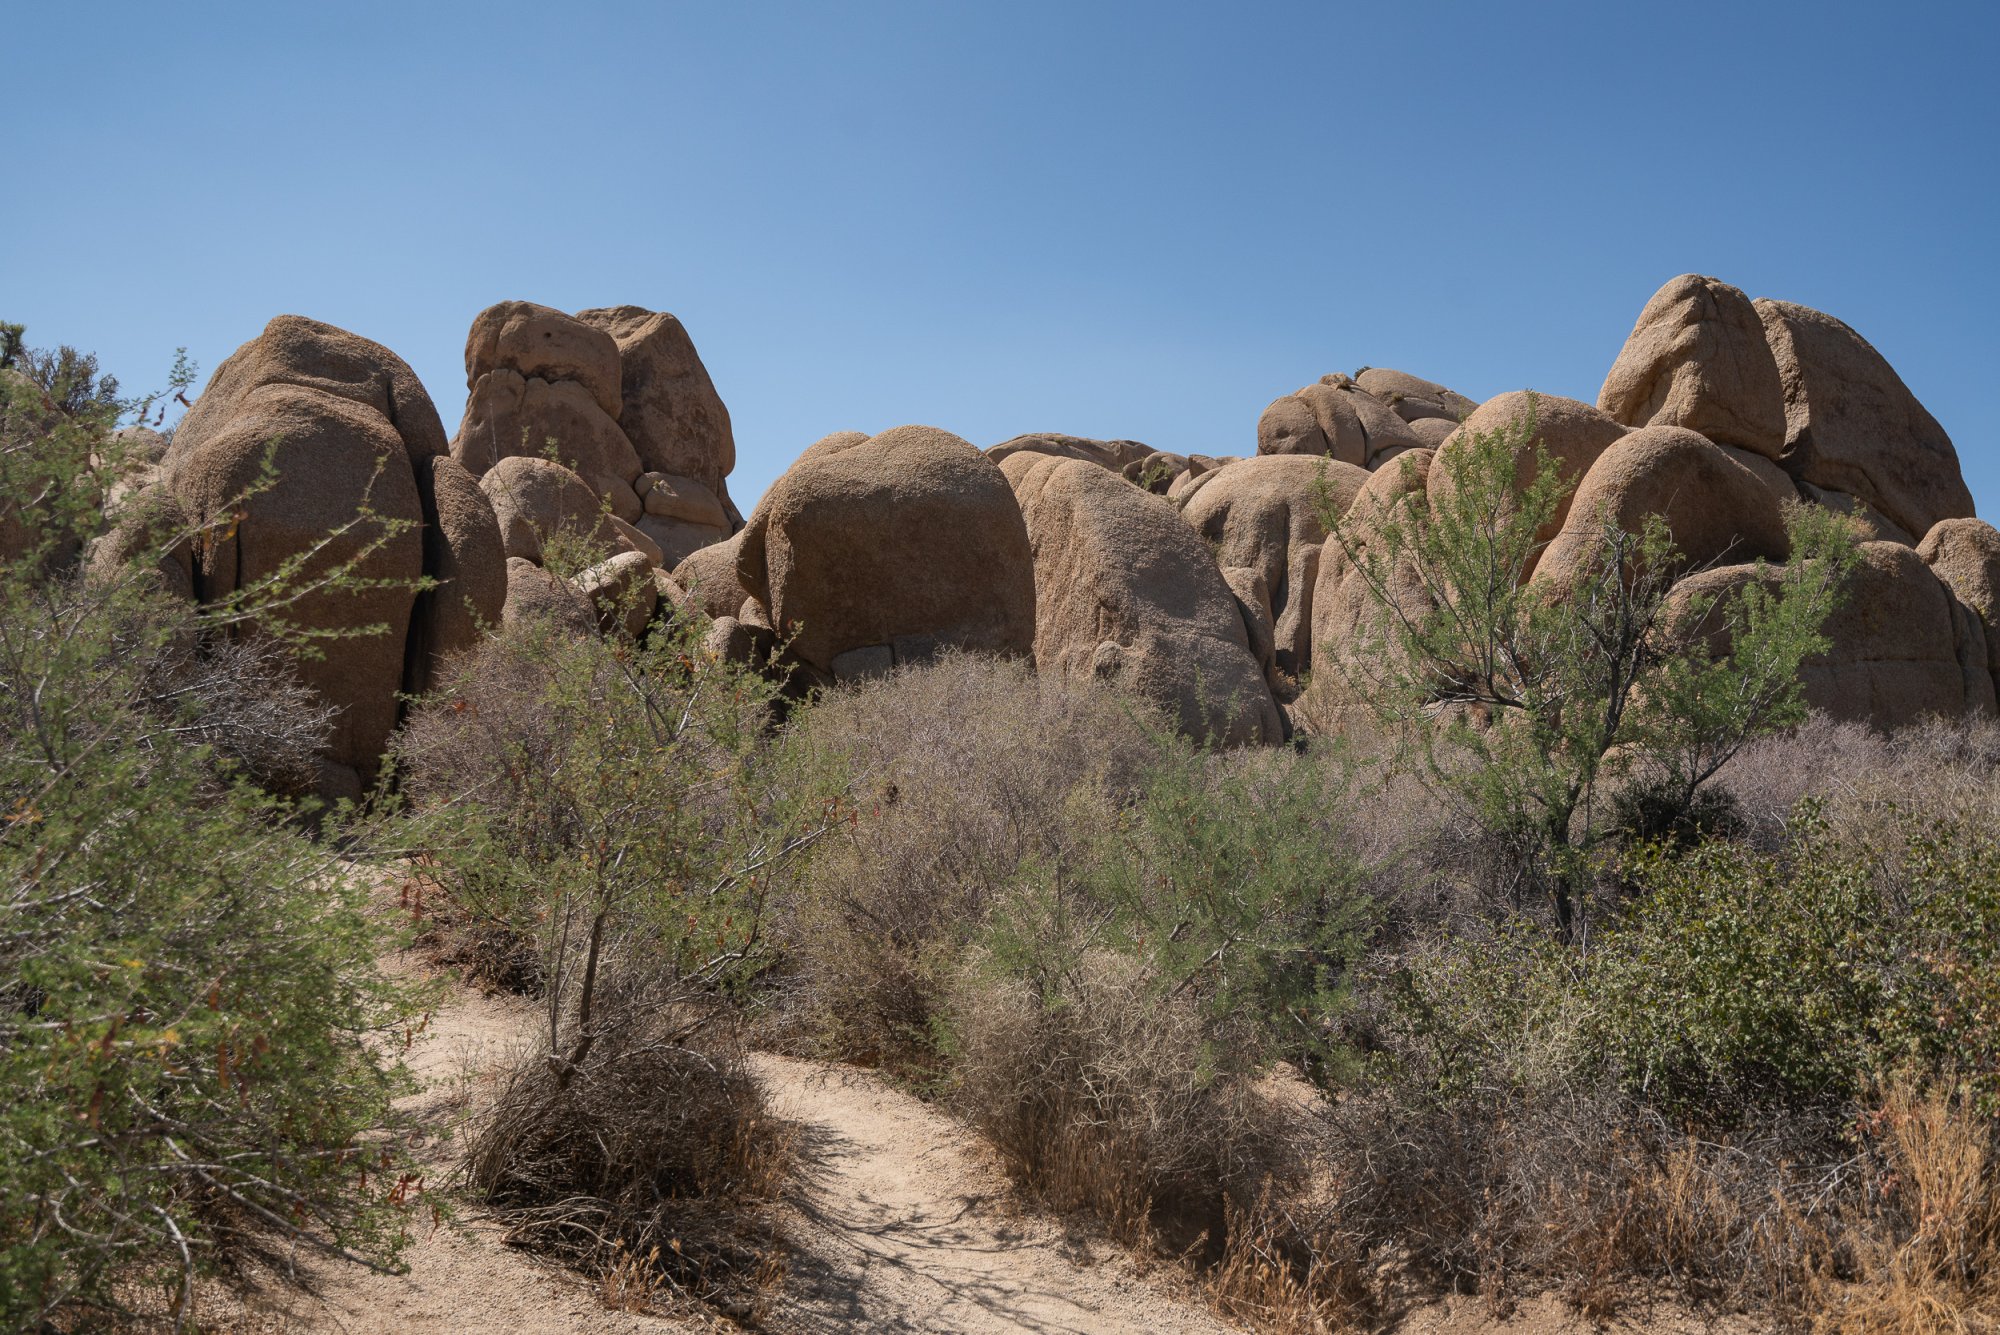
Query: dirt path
column 904, row 1226
column 902, row 1219
column 462, row 1277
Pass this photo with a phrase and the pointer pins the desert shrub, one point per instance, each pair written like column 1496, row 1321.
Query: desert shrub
column 1696, row 1096
column 1865, row 782
column 1104, row 1095
column 1526, row 706
column 1744, row 980
column 1111, row 1025
column 963, row 772
column 199, row 1054
column 607, row 810
column 658, row 1164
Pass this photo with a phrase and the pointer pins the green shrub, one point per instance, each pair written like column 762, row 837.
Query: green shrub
column 198, row 1052
column 1744, row 979
column 608, row 809
column 1529, row 707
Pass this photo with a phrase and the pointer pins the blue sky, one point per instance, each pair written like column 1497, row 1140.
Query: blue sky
column 1141, row 220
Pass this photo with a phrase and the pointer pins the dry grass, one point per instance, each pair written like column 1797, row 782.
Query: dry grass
column 1920, row 1254
column 1941, row 769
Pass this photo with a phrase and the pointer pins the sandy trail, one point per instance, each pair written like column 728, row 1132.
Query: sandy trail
column 903, row 1225
column 462, row 1277
column 902, row 1221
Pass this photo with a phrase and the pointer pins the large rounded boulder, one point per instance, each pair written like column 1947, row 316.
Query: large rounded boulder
column 1264, row 514
column 1718, row 507
column 897, row 544
column 1853, row 427
column 1127, row 592
column 1697, row 358
column 1902, row 648
column 677, row 423
column 343, row 426
column 1338, row 418
column 1572, row 433
column 1346, row 608
column 466, row 556
column 1965, row 554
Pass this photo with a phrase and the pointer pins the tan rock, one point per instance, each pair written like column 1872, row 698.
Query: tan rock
column 1903, row 648
column 1318, row 419
column 315, row 403
column 621, row 589
column 709, row 576
column 309, row 354
column 673, row 415
column 539, row 341
column 1345, row 615
column 636, row 539
column 1115, row 455
column 535, row 499
column 535, row 595
column 150, row 532
column 1697, row 358
column 1253, row 600
column 909, row 533
column 676, row 539
column 509, row 415
column 1965, row 555
column 1432, row 432
column 669, row 496
column 1718, row 509
column 1125, row 591
column 464, row 553
column 1870, row 523
column 1573, row 433
column 1263, row 513
column 1413, row 398
column 1851, row 425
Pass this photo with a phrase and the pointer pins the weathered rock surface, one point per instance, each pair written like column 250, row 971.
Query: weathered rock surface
column 622, row 590
column 1719, row 509
column 511, row 415
column 1344, row 609
column 1573, row 433
column 537, row 595
column 1115, row 455
column 1697, row 358
column 709, row 577
column 1414, row 398
column 676, row 421
column 464, row 553
column 345, row 424
column 1902, row 647
column 1263, row 514
column 539, row 341
column 1851, row 425
column 536, row 499
column 1124, row 590
column 910, row 539
column 1965, row 555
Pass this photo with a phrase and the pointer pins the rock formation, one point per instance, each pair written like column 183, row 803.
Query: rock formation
column 876, row 550
column 1206, row 583
column 351, row 440
column 1127, row 592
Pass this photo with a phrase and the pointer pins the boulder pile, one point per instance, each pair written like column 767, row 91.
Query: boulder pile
column 1205, row 582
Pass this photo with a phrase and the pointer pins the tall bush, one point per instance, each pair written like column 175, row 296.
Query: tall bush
column 197, row 1049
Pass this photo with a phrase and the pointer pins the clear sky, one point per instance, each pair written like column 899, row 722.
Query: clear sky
column 1141, row 220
